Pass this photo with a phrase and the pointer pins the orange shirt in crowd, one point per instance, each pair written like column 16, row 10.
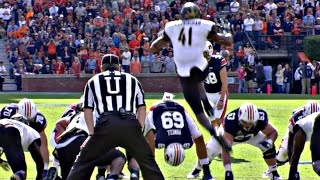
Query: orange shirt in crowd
column 115, row 51
column 265, row 28
column 134, row 45
column 135, row 67
column 127, row 11
column 148, row 3
column 76, row 68
column 60, row 67
column 22, row 31
column 29, row 15
column 52, row 48
column 240, row 54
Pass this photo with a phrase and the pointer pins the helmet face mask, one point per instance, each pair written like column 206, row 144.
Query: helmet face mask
column 208, row 50
column 174, row 154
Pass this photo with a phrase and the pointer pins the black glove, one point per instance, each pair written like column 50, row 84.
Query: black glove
column 228, row 175
column 224, row 144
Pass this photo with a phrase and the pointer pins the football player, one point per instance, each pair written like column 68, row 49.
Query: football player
column 216, row 85
column 188, row 36
column 69, row 145
column 168, row 123
column 306, row 129
column 299, row 113
column 73, row 109
column 17, row 138
column 250, row 125
column 36, row 120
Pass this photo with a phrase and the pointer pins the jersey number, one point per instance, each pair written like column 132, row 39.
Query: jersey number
column 182, row 36
column 170, row 120
column 7, row 112
column 211, row 78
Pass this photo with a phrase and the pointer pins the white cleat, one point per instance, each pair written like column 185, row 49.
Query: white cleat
column 194, row 174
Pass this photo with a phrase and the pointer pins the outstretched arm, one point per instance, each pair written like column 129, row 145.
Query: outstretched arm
column 224, row 39
column 298, row 145
column 160, row 42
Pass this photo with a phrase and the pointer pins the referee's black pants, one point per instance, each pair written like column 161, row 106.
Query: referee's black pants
column 10, row 142
column 112, row 131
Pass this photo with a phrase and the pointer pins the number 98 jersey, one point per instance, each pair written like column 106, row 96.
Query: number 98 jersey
column 233, row 126
column 169, row 122
column 213, row 83
column 38, row 124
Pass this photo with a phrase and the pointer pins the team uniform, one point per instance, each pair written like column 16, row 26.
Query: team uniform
column 171, row 124
column 38, row 124
column 17, row 138
column 69, row 142
column 70, row 111
column 213, row 84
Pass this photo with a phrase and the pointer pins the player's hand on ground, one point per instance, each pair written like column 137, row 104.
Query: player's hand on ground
column 228, row 175
column 222, row 141
column 265, row 145
column 4, row 165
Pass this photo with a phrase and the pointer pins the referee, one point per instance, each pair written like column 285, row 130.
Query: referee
column 115, row 97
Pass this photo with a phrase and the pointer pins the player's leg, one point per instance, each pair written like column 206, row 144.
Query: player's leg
column 282, row 154
column 269, row 156
column 116, row 159
column 67, row 155
column 133, row 167
column 12, row 148
column 219, row 113
column 315, row 146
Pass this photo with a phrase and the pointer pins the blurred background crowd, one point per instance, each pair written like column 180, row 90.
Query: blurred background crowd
column 69, row 36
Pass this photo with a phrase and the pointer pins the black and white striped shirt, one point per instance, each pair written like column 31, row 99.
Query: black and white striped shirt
column 110, row 90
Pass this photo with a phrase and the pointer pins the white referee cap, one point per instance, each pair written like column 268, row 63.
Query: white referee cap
column 167, row 97
column 110, row 59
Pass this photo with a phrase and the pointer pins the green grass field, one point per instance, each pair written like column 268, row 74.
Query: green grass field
column 247, row 160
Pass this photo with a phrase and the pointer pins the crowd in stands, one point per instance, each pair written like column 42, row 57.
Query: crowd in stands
column 69, row 36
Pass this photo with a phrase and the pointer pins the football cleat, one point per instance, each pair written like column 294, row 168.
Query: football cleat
column 134, row 176
column 207, row 177
column 267, row 174
column 194, row 174
column 52, row 173
column 228, row 175
column 112, row 177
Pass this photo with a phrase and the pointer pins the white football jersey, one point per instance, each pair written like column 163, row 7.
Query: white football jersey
column 27, row 134
column 188, row 37
column 306, row 124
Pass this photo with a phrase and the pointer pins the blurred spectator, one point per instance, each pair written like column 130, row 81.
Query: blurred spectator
column 306, row 70
column 268, row 76
column 279, row 78
column 76, row 67
column 156, row 65
column 242, row 88
column 169, row 64
column 260, row 77
column 91, row 65
column 59, row 66
column 3, row 72
column 135, row 65
column 145, row 62
column 287, row 78
column 20, row 70
column 126, row 58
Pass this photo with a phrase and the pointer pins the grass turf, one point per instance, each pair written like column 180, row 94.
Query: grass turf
column 247, row 160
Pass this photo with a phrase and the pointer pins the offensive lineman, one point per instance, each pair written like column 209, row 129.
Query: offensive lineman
column 36, row 120
column 247, row 124
column 306, row 129
column 17, row 138
column 299, row 113
column 188, row 37
column 168, row 123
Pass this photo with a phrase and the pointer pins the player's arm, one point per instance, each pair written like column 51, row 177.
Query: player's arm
column 224, row 39
column 226, row 154
column 298, row 145
column 61, row 126
column 149, row 131
column 160, row 42
column 270, row 132
column 34, row 150
column 224, row 80
column 44, row 149
column 88, row 108
column 290, row 145
column 141, row 116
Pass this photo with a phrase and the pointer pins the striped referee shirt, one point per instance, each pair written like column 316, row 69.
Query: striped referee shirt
column 110, row 90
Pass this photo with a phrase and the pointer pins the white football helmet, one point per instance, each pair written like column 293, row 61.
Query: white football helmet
column 19, row 117
column 248, row 113
column 27, row 108
column 208, row 48
column 311, row 107
column 174, row 154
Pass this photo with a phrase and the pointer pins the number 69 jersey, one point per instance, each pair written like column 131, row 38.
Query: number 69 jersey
column 188, row 37
column 171, row 124
column 38, row 124
column 213, row 83
column 233, row 126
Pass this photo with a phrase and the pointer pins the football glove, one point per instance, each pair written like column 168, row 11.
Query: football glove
column 265, row 145
column 4, row 165
column 228, row 175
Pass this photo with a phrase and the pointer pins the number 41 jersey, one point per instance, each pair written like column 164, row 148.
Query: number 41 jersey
column 233, row 127
column 170, row 125
column 188, row 38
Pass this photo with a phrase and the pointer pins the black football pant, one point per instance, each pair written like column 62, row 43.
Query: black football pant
column 112, row 131
column 10, row 141
column 68, row 154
